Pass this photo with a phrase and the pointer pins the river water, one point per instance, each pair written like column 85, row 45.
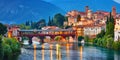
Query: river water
column 71, row 52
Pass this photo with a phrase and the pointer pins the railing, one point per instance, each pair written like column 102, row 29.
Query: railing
column 26, row 33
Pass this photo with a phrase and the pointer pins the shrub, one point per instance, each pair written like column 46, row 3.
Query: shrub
column 11, row 49
column 1, row 49
column 80, row 38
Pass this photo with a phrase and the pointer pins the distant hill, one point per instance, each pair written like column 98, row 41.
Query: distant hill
column 19, row 11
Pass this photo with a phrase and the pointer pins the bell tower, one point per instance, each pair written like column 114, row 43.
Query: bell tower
column 86, row 10
column 113, row 11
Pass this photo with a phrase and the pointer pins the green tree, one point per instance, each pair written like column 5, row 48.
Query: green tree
column 1, row 49
column 3, row 29
column 58, row 38
column 49, row 22
column 110, row 26
column 27, row 23
column 58, row 20
column 12, row 49
column 41, row 23
column 33, row 25
column 23, row 26
column 7, row 52
column 66, row 18
column 80, row 38
column 109, row 42
column 101, row 34
column 86, row 38
column 52, row 22
column 78, row 18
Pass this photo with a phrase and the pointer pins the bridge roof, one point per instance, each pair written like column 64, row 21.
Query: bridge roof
column 46, row 30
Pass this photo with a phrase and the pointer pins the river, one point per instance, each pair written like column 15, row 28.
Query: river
column 71, row 52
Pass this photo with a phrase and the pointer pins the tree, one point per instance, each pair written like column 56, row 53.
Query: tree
column 12, row 48
column 109, row 42
column 66, row 19
column 58, row 38
column 58, row 20
column 27, row 23
column 23, row 26
column 80, row 38
column 86, row 38
column 110, row 26
column 101, row 34
column 1, row 49
column 33, row 25
column 78, row 18
column 3, row 29
column 41, row 23
column 49, row 22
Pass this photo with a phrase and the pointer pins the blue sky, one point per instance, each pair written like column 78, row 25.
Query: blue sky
column 68, row 5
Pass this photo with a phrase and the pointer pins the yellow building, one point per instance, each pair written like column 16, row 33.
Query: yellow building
column 79, row 30
column 117, row 24
column 117, row 30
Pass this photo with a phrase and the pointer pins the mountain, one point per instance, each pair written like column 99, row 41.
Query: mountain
column 19, row 11
column 94, row 5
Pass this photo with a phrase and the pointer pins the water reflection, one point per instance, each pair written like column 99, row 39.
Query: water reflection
column 81, row 52
column 34, row 51
column 78, row 52
column 116, row 56
column 51, row 52
column 68, row 51
column 58, row 52
column 43, row 52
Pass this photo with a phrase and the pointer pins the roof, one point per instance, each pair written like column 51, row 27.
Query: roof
column 46, row 30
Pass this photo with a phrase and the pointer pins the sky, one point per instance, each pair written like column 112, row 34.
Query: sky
column 12, row 11
column 68, row 5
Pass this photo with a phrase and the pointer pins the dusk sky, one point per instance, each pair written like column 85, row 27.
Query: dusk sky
column 12, row 11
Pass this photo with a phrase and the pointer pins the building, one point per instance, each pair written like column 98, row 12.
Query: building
column 93, row 30
column 117, row 29
column 113, row 11
column 91, row 23
column 77, row 18
column 12, row 31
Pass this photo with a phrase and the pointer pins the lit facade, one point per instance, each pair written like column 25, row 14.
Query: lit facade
column 93, row 30
column 117, row 29
column 13, row 31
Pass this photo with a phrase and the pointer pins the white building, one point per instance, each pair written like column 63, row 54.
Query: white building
column 117, row 35
column 117, row 30
column 93, row 30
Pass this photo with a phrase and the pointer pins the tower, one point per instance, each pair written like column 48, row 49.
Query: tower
column 89, row 14
column 86, row 10
column 113, row 11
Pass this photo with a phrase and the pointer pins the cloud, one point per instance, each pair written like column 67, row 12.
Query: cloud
column 118, row 1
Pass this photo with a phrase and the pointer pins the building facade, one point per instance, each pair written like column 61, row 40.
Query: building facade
column 117, row 29
column 93, row 30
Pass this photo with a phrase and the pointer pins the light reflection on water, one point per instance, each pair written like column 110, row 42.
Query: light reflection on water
column 75, row 52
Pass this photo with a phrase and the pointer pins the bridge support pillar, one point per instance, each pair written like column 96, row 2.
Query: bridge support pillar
column 42, row 39
column 30, row 40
